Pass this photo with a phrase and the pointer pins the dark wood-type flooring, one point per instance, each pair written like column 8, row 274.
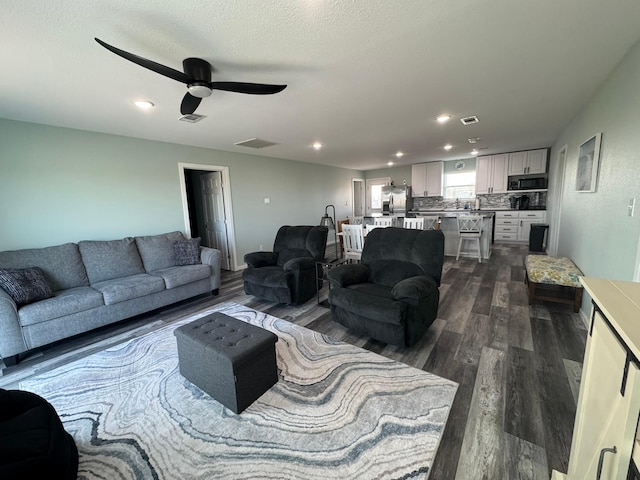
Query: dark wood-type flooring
column 518, row 366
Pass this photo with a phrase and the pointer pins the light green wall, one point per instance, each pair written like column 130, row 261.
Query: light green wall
column 397, row 174
column 595, row 230
column 62, row 185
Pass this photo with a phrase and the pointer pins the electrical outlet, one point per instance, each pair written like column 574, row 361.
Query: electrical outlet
column 632, row 207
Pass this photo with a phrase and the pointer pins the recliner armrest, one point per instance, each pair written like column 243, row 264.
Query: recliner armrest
column 345, row 275
column 260, row 259
column 300, row 263
column 414, row 288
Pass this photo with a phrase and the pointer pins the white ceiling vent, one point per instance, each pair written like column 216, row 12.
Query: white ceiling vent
column 255, row 143
column 469, row 120
column 191, row 118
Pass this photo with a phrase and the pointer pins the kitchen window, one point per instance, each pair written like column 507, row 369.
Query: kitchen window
column 460, row 185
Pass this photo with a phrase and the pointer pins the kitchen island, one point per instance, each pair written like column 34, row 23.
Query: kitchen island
column 449, row 226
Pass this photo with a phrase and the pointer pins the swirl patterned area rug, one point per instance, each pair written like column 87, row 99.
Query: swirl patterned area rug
column 337, row 412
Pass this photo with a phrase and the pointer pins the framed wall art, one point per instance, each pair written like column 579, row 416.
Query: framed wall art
column 588, row 163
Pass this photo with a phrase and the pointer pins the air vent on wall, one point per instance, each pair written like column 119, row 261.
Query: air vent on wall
column 255, row 143
column 191, row 118
column 469, row 120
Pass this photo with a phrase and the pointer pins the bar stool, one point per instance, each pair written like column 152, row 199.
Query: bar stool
column 383, row 221
column 414, row 223
column 431, row 222
column 469, row 228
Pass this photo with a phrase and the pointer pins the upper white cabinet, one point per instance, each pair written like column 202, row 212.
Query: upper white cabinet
column 426, row 179
column 530, row 161
column 491, row 173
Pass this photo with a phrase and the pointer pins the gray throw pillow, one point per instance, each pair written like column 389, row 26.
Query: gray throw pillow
column 187, row 252
column 25, row 285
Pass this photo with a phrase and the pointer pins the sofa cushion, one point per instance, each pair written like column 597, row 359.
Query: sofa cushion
column 62, row 265
column 125, row 288
column 24, row 285
column 176, row 276
column 187, row 252
column 106, row 260
column 390, row 272
column 157, row 251
column 267, row 277
column 64, row 302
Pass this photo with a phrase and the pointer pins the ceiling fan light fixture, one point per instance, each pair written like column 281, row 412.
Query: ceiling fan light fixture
column 199, row 90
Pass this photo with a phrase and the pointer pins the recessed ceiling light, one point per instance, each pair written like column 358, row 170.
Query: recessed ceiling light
column 390, row 163
column 443, row 118
column 399, row 154
column 474, row 140
column 144, row 104
column 474, row 152
column 448, row 146
column 317, row 146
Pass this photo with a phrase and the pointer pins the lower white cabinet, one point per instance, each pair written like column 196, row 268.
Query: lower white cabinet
column 513, row 226
column 608, row 409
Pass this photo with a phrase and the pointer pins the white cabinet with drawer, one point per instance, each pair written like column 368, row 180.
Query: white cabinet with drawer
column 513, row 226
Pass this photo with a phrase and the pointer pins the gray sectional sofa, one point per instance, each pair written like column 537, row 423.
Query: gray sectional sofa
column 95, row 283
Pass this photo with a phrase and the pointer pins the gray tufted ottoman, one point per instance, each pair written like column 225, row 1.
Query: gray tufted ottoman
column 231, row 360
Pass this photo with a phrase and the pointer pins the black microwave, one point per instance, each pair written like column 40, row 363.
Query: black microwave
column 528, row 183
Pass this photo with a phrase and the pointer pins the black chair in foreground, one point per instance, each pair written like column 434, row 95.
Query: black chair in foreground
column 289, row 273
column 392, row 294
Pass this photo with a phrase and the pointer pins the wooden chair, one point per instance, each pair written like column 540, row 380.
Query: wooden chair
column 383, row 222
column 353, row 241
column 340, row 224
column 470, row 228
column 414, row 223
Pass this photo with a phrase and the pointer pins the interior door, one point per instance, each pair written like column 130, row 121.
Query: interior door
column 215, row 226
column 605, row 418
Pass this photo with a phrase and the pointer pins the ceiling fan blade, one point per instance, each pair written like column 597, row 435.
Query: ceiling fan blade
column 189, row 104
column 252, row 88
column 143, row 62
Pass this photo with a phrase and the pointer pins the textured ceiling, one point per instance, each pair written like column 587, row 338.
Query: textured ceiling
column 365, row 77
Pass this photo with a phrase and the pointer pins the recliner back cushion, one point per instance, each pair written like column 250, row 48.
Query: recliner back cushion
column 285, row 255
column 61, row 265
column 105, row 260
column 157, row 251
column 390, row 272
column 312, row 239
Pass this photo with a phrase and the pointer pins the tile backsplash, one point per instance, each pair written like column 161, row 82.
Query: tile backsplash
column 496, row 200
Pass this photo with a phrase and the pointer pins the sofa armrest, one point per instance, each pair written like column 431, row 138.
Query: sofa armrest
column 11, row 340
column 260, row 259
column 300, row 263
column 345, row 275
column 414, row 288
column 211, row 257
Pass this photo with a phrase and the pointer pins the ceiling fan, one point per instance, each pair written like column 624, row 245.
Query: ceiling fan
column 197, row 76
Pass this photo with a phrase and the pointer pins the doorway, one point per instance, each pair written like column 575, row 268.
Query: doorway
column 207, row 208
column 374, row 194
column 357, row 196
column 554, row 237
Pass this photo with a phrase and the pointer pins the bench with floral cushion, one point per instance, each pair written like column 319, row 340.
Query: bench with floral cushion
column 554, row 279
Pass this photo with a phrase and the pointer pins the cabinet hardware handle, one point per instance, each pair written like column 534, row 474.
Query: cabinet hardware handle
column 613, row 450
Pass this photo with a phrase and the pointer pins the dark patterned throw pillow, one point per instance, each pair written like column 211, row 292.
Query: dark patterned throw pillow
column 25, row 285
column 187, row 251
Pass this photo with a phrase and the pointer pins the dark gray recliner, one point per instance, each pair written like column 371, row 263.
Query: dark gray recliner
column 392, row 294
column 289, row 273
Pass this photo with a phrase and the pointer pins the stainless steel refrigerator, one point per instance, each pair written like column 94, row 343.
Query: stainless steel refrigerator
column 396, row 200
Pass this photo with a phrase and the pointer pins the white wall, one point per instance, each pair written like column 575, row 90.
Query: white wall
column 63, row 185
column 595, row 230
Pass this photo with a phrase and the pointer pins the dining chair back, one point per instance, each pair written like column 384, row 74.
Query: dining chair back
column 414, row 223
column 353, row 241
column 356, row 220
column 383, row 222
column 469, row 228
column 431, row 222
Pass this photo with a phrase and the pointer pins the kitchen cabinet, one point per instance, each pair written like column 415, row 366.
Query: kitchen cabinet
column 426, row 179
column 526, row 162
column 609, row 399
column 491, row 173
column 514, row 226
